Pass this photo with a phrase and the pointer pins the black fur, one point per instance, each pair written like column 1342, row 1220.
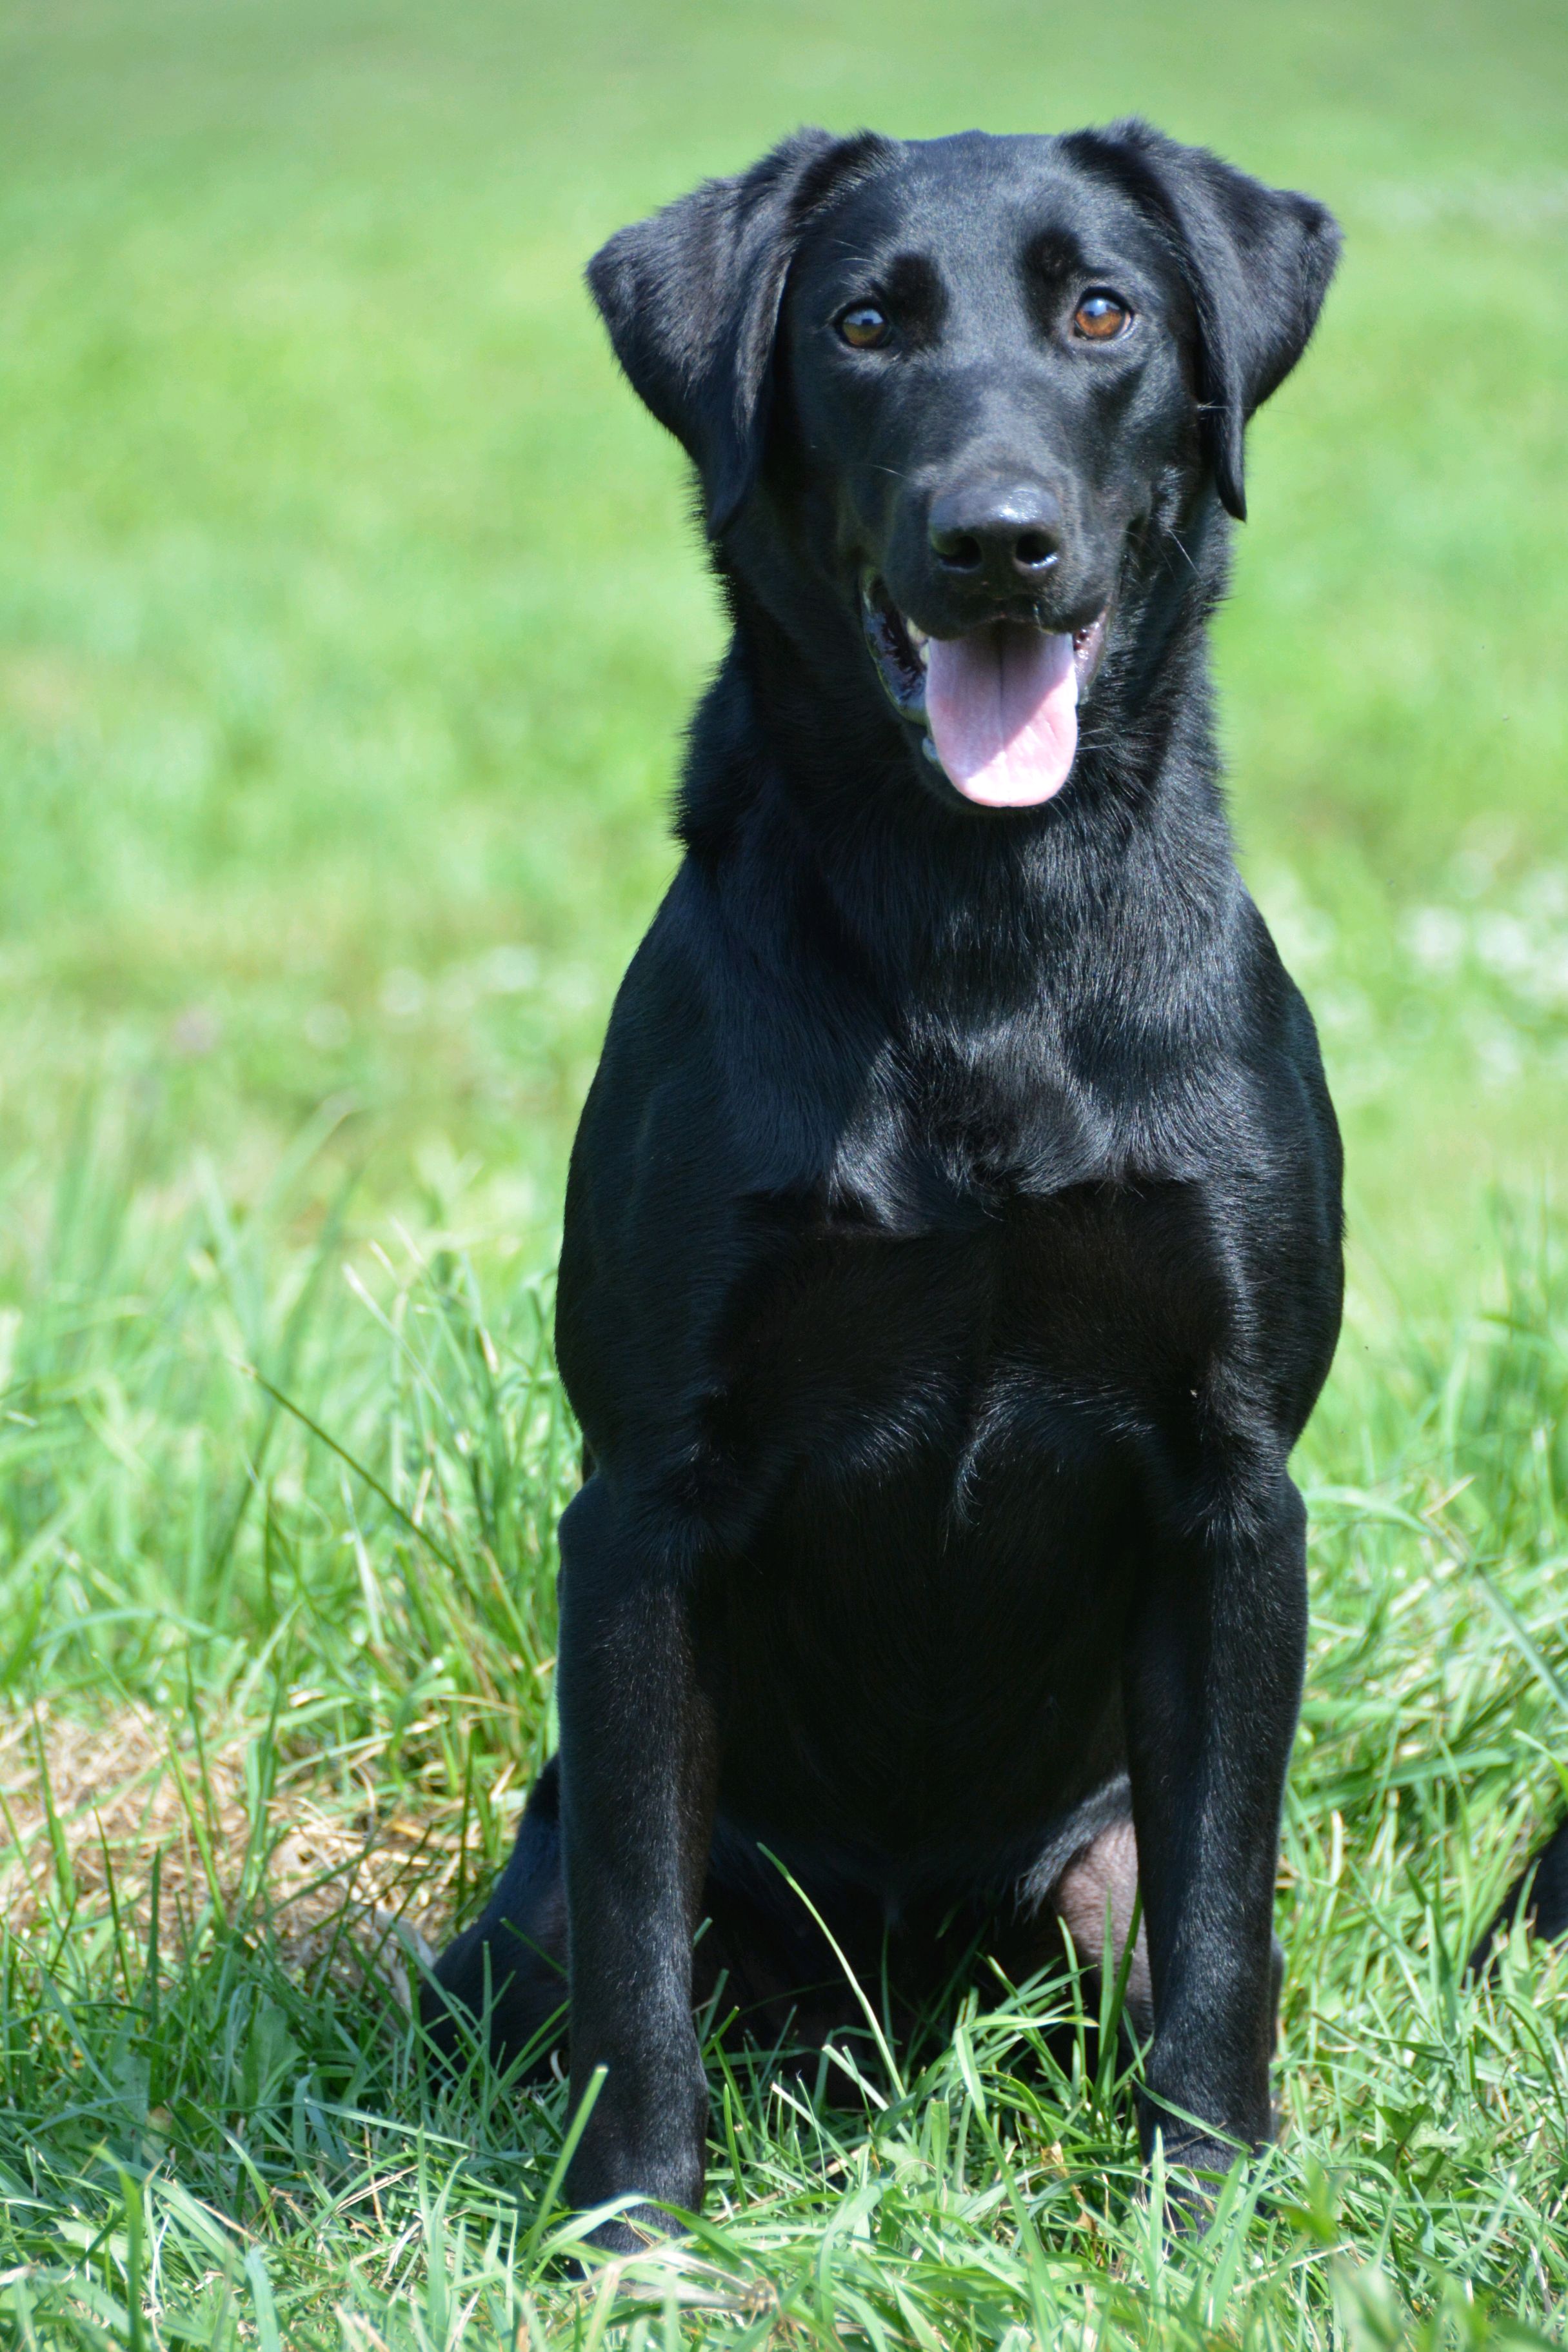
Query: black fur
column 952, row 1251
column 1541, row 1890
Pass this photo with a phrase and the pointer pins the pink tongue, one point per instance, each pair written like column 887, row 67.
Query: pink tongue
column 1002, row 703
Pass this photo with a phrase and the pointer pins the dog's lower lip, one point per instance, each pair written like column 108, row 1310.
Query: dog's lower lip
column 898, row 647
column 901, row 649
column 1088, row 644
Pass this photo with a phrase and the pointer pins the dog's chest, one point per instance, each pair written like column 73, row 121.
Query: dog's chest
column 1020, row 1336
column 949, row 1436
column 952, row 1438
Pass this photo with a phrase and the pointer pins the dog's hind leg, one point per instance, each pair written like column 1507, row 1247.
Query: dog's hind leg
column 1097, row 1893
column 510, row 1966
column 1542, row 1887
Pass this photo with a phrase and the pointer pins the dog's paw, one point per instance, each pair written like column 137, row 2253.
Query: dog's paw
column 632, row 2232
column 1194, row 2173
column 619, row 2237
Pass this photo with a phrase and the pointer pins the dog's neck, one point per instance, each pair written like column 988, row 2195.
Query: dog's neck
column 800, row 784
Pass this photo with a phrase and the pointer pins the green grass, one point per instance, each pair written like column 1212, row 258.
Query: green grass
column 357, row 1625
column 349, row 615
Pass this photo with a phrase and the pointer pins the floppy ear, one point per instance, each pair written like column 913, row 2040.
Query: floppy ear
column 1256, row 261
column 691, row 299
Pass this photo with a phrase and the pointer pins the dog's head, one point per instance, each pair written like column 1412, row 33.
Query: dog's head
column 979, row 388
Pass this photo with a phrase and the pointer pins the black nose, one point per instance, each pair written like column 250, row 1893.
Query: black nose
column 998, row 534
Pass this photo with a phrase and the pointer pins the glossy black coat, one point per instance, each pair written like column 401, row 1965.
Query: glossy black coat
column 952, row 1249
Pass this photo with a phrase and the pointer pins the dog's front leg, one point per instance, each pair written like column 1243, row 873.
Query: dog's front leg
column 1216, row 1652
column 637, row 1790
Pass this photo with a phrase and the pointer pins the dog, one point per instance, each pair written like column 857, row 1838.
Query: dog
column 952, row 1253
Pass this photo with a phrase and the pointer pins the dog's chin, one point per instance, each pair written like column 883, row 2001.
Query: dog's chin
column 1017, row 755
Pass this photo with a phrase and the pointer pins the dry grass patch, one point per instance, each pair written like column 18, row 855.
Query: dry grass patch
column 95, row 1811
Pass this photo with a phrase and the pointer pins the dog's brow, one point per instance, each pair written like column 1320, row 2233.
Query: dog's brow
column 844, row 245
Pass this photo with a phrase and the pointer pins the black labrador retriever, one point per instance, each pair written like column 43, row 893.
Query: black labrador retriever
column 952, row 1251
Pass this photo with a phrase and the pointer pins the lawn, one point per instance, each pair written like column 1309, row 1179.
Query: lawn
column 349, row 615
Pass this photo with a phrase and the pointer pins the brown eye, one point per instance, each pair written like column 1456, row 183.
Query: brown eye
column 1100, row 318
column 863, row 326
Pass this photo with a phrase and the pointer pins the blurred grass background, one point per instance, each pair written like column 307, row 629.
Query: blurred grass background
column 349, row 614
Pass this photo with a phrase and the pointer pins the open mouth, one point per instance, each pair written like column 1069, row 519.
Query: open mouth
column 997, row 706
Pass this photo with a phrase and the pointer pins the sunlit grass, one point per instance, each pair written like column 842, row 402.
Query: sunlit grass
column 280, row 1523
